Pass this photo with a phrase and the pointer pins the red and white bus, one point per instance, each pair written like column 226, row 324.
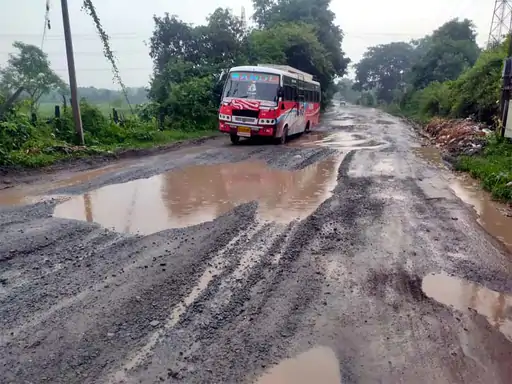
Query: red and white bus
column 274, row 101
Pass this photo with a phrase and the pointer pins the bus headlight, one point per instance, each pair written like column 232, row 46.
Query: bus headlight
column 224, row 117
column 267, row 121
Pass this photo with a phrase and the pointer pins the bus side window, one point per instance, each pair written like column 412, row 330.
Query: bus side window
column 288, row 93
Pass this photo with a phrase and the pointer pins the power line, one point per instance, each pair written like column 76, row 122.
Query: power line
column 133, row 35
column 81, row 53
column 104, row 69
column 47, row 25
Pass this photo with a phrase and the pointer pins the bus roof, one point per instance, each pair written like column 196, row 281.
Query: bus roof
column 277, row 70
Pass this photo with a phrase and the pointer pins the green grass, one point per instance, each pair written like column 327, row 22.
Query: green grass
column 46, row 155
column 493, row 168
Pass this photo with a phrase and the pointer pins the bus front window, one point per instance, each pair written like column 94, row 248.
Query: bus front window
column 256, row 86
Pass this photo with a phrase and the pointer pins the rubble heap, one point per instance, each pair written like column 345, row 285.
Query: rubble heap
column 457, row 137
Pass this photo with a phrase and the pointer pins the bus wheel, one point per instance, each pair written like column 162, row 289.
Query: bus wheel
column 282, row 139
column 235, row 139
column 308, row 127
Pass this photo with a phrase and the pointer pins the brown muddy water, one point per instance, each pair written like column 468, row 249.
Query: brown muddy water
column 201, row 193
column 32, row 194
column 318, row 365
column 462, row 295
column 494, row 217
column 341, row 140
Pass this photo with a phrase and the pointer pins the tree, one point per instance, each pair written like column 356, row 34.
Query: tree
column 294, row 44
column 450, row 50
column 269, row 13
column 224, row 38
column 317, row 19
column 383, row 68
column 29, row 71
column 173, row 39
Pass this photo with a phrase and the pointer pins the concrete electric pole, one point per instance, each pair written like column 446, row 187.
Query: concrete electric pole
column 72, row 73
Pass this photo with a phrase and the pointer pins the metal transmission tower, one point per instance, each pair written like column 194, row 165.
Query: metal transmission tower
column 501, row 24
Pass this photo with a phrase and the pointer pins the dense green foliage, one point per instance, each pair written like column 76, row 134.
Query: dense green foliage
column 442, row 74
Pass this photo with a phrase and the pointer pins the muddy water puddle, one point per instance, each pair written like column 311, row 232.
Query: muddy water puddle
column 492, row 216
column 201, row 193
column 341, row 140
column 430, row 154
column 462, row 295
column 35, row 194
column 318, row 365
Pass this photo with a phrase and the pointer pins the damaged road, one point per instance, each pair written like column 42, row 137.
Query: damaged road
column 342, row 256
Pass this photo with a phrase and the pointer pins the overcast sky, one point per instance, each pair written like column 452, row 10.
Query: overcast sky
column 129, row 23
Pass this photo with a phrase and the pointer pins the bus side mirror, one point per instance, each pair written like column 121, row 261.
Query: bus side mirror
column 280, row 92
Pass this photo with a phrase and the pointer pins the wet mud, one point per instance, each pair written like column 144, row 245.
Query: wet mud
column 494, row 217
column 308, row 262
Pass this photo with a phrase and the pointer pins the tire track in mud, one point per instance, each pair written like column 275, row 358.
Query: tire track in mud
column 130, row 297
column 220, row 302
column 266, row 311
column 111, row 316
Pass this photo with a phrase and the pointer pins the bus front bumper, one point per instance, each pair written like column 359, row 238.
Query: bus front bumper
column 247, row 130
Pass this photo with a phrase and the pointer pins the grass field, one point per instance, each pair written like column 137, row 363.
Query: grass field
column 47, row 109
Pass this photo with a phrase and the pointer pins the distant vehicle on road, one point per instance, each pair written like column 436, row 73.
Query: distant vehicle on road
column 343, row 102
column 272, row 101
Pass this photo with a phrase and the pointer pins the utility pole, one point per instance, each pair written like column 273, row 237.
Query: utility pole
column 75, row 106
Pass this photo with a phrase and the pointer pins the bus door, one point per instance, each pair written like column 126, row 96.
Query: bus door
column 301, row 99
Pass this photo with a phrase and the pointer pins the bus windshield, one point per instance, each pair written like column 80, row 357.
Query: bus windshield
column 250, row 85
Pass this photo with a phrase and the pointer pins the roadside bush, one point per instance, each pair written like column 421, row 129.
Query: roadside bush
column 15, row 132
column 190, row 105
column 477, row 91
column 436, row 99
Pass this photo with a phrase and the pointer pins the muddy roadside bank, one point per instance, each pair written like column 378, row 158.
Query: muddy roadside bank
column 453, row 138
column 13, row 175
column 473, row 148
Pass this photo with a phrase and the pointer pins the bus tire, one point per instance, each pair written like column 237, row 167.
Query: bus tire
column 235, row 139
column 308, row 127
column 282, row 140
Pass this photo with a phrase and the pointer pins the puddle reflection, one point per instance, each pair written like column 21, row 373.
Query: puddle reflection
column 490, row 213
column 197, row 194
column 32, row 194
column 496, row 307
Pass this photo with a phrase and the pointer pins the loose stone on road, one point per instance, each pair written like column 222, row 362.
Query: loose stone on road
column 347, row 255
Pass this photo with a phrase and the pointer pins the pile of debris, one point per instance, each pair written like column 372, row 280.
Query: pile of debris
column 457, row 137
